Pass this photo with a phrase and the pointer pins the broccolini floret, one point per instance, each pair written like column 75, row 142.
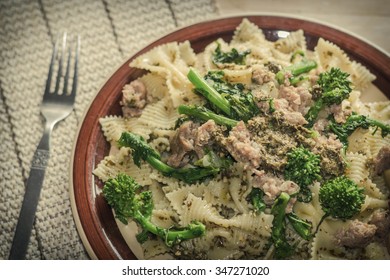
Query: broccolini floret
column 142, row 151
column 354, row 121
column 303, row 168
column 124, row 195
column 230, row 99
column 335, row 87
column 341, row 198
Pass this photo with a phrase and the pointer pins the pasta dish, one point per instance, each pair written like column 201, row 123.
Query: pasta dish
column 251, row 149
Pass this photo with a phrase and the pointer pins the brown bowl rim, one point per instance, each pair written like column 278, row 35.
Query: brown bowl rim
column 93, row 217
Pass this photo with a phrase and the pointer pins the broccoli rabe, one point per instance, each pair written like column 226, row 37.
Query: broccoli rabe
column 256, row 198
column 216, row 80
column 211, row 159
column 233, row 56
column 303, row 168
column 294, row 71
column 340, row 198
column 202, row 113
column 230, row 99
column 354, row 121
column 283, row 249
column 124, row 195
column 303, row 228
column 271, row 105
column 335, row 87
column 142, row 151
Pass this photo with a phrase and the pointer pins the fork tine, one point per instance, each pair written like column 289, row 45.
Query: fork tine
column 50, row 74
column 59, row 73
column 75, row 74
column 66, row 78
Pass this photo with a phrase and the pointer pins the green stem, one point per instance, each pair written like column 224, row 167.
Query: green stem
column 160, row 166
column 208, row 91
column 171, row 236
column 385, row 129
column 282, row 248
column 296, row 69
column 188, row 175
column 302, row 67
column 312, row 114
column 205, row 115
column 319, row 224
column 301, row 227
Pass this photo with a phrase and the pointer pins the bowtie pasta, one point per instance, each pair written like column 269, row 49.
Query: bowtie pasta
column 255, row 202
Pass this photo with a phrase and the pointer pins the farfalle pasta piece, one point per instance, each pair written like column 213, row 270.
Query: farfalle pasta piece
column 122, row 162
column 172, row 61
column 295, row 41
column 160, row 115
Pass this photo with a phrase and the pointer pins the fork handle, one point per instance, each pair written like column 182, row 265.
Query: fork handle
column 31, row 198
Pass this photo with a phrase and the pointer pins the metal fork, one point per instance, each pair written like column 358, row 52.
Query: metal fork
column 56, row 105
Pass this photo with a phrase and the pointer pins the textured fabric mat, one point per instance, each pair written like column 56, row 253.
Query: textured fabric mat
column 110, row 30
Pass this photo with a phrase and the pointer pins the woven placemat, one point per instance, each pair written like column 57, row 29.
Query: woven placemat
column 110, row 30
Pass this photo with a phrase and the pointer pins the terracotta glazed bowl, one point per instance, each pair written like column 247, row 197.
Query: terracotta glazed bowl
column 93, row 216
